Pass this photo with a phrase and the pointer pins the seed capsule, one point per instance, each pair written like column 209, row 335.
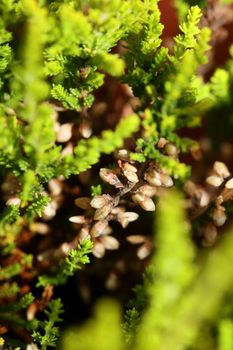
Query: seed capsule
column 162, row 142
column 103, row 212
column 13, row 201
column 147, row 190
column 170, row 149
column 210, row 234
column 147, row 204
column 136, row 239
column 229, row 184
column 98, row 250
column 215, row 181
column 219, row 216
column 110, row 243
column 129, row 172
column 166, row 180
column 138, row 197
column 204, row 198
column 122, row 154
column 100, row 201
column 98, row 228
column 78, row 219
column 64, row 132
column 126, row 218
column 83, row 203
column 144, row 251
column 221, row 169
column 153, row 178
column 110, row 177
column 40, row 227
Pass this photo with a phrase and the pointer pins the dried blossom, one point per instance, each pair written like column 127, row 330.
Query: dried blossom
column 144, row 251
column 170, row 149
column 219, row 216
column 64, row 132
column 110, row 177
column 102, row 213
column 98, row 228
column 129, row 172
column 229, row 184
column 136, row 239
column 127, row 217
column 214, row 181
column 109, row 242
column 83, row 202
column 78, row 219
column 221, row 169
column 99, row 201
column 153, row 178
column 145, row 202
column 147, row 190
column 98, row 250
column 210, row 233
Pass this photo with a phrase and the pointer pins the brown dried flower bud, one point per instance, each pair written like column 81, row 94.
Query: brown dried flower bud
column 99, row 201
column 129, row 172
column 136, row 239
column 166, row 180
column 190, row 188
column 162, row 142
column 13, row 201
column 127, row 217
column 31, row 347
column 144, row 251
column 50, row 210
column 78, row 219
column 145, row 202
column 98, row 228
column 40, row 227
column 153, row 178
column 229, row 184
column 98, row 250
column 31, row 311
column 148, row 190
column 83, row 203
column 64, row 132
column 170, row 149
column 110, row 177
column 210, row 234
column 203, row 197
column 138, row 197
column 122, row 154
column 55, row 187
column 110, row 243
column 215, row 181
column 219, row 216
column 221, row 169
column 85, row 129
column 102, row 213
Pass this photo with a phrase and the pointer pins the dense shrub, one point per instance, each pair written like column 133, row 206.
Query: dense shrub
column 100, row 116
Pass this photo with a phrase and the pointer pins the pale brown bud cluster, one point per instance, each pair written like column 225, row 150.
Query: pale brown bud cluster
column 145, row 247
column 211, row 201
column 102, row 209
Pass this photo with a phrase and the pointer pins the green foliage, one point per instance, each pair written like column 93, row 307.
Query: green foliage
column 74, row 261
column 103, row 332
column 46, row 333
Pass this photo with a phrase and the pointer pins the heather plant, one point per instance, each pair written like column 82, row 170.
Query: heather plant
column 166, row 313
column 99, row 117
